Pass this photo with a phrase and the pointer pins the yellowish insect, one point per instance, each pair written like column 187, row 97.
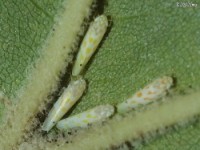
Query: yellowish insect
column 90, row 42
column 96, row 114
column 154, row 91
column 68, row 98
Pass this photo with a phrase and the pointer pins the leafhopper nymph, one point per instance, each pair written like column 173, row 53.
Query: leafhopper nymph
column 68, row 98
column 96, row 114
column 154, row 91
column 90, row 43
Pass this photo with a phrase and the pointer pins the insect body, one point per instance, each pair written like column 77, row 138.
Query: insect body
column 154, row 91
column 96, row 114
column 68, row 98
column 90, row 42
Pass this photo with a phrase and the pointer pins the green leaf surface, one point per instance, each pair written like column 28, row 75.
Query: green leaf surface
column 24, row 26
column 146, row 40
column 184, row 139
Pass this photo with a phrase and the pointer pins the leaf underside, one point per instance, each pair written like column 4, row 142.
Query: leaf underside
column 145, row 40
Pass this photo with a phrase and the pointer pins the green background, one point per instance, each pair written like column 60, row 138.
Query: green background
column 145, row 40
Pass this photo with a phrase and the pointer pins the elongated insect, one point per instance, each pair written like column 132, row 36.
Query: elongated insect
column 154, row 91
column 90, row 42
column 96, row 114
column 68, row 98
